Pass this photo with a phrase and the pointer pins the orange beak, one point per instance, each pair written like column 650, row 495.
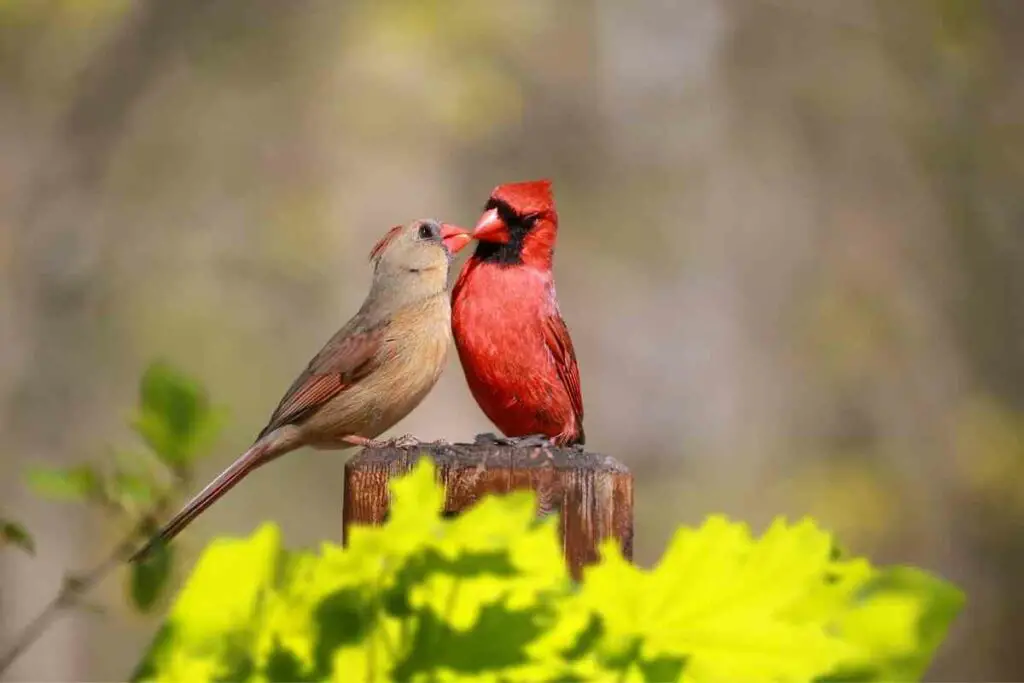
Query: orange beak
column 490, row 228
column 454, row 237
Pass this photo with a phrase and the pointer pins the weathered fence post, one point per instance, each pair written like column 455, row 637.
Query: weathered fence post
column 593, row 493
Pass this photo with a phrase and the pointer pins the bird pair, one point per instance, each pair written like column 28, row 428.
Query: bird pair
column 513, row 344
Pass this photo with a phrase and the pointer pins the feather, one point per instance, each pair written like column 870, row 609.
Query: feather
column 263, row 451
column 531, row 197
column 381, row 245
column 347, row 358
column 513, row 344
column 371, row 374
column 556, row 334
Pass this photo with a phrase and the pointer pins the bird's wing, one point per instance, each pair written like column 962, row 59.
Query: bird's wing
column 350, row 355
column 556, row 334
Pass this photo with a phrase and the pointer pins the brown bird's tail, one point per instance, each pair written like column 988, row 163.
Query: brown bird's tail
column 261, row 452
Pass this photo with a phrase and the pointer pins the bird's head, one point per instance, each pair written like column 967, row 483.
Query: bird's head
column 519, row 225
column 416, row 256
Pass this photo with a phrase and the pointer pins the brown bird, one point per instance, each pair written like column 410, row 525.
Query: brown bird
column 372, row 372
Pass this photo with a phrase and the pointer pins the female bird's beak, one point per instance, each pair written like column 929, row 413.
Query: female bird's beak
column 490, row 228
column 454, row 237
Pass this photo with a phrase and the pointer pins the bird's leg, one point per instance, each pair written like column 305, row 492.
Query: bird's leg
column 404, row 441
column 357, row 440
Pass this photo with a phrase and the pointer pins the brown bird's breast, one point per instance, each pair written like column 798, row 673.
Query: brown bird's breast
column 410, row 362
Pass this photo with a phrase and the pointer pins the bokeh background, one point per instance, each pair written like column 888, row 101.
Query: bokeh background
column 792, row 256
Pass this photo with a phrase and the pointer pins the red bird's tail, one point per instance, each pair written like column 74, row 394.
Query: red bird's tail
column 262, row 452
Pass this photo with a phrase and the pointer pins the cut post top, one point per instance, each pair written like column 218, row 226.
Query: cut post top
column 592, row 492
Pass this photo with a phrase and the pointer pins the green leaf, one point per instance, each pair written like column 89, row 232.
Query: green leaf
column 132, row 489
column 149, row 575
column 498, row 640
column 933, row 605
column 15, row 534
column 78, row 483
column 211, row 631
column 167, row 392
column 717, row 585
column 174, row 416
column 486, row 596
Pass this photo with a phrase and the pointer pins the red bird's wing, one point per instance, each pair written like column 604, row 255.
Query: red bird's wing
column 556, row 334
column 347, row 358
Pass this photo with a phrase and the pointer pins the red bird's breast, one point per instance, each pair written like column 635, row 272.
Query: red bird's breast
column 515, row 351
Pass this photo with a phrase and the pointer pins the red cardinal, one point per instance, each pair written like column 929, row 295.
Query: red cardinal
column 514, row 346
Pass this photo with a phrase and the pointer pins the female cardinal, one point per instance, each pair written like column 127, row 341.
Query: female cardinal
column 514, row 346
column 372, row 373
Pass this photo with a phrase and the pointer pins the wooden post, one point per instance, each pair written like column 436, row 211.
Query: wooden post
column 594, row 493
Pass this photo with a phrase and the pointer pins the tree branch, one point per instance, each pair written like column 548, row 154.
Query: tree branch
column 74, row 588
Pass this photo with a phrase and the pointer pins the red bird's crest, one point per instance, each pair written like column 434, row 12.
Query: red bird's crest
column 530, row 197
column 379, row 248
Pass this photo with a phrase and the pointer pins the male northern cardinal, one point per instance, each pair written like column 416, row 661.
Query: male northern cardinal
column 514, row 346
column 371, row 373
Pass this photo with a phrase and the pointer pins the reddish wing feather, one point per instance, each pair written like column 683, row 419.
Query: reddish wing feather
column 379, row 248
column 315, row 391
column 348, row 357
column 560, row 344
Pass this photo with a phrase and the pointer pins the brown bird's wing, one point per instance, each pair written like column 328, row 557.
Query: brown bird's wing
column 556, row 334
column 348, row 357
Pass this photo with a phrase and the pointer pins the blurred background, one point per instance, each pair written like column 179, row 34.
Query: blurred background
column 791, row 257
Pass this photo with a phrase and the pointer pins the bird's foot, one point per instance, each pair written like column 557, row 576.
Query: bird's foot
column 528, row 441
column 532, row 441
column 489, row 439
column 404, row 441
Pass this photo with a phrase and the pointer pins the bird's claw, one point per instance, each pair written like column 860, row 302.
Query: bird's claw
column 489, row 439
column 529, row 441
column 532, row 441
column 403, row 441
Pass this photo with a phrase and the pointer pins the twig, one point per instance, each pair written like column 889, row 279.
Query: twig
column 75, row 587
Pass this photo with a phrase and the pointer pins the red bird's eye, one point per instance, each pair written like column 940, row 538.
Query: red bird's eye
column 508, row 217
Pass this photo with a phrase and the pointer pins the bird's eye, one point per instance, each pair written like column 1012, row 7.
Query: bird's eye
column 428, row 231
